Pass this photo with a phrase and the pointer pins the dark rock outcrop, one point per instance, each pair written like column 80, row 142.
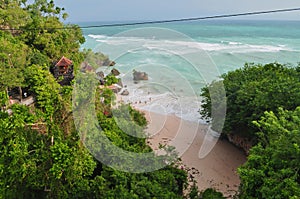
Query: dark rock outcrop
column 120, row 83
column 115, row 72
column 107, row 62
column 139, row 75
column 112, row 63
column 125, row 92
column 115, row 88
column 100, row 76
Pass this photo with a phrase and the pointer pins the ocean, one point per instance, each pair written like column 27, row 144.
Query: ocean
column 180, row 58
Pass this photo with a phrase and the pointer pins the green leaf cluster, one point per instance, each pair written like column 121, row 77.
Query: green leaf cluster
column 95, row 59
column 264, row 98
column 45, row 88
column 13, row 56
column 252, row 90
column 272, row 168
column 41, row 153
column 110, row 79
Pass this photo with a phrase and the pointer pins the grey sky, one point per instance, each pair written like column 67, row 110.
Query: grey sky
column 118, row 10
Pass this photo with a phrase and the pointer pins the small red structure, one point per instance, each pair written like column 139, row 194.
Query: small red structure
column 63, row 71
column 63, row 65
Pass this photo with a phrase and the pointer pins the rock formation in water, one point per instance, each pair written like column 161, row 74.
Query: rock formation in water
column 137, row 75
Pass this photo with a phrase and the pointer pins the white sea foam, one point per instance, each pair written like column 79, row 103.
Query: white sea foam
column 182, row 47
column 98, row 36
column 165, row 103
column 234, row 43
column 229, row 46
column 155, row 98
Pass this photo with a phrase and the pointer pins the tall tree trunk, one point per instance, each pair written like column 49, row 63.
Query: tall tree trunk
column 21, row 93
column 6, row 90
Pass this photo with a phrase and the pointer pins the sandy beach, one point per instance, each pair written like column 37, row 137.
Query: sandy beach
column 216, row 170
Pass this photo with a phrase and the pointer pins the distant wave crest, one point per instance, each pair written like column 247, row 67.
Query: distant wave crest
column 186, row 46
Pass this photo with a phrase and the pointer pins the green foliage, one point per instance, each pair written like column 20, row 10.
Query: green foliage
column 110, row 79
column 158, row 184
column 37, row 58
column 138, row 117
column 48, row 35
column 46, row 89
column 211, row 194
column 3, row 98
column 214, row 104
column 95, row 59
column 12, row 15
column 13, row 54
column 128, row 113
column 19, row 153
column 104, row 101
column 33, row 165
column 252, row 90
column 108, row 96
column 125, row 129
column 42, row 154
column 194, row 193
column 272, row 169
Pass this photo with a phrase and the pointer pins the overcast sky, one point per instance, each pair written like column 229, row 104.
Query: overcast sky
column 119, row 10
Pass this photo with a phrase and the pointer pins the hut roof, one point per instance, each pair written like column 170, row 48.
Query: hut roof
column 64, row 62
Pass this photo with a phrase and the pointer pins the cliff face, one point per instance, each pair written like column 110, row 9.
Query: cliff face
column 241, row 142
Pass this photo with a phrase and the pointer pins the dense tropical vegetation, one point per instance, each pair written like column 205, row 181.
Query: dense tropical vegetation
column 252, row 90
column 263, row 104
column 42, row 153
column 272, row 169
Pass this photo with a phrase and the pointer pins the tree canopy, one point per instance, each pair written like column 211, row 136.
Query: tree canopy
column 264, row 99
column 42, row 154
column 272, row 168
column 252, row 90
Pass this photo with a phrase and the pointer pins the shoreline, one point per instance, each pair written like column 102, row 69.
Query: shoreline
column 216, row 170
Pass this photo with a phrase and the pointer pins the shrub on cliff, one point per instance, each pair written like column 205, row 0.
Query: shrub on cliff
column 272, row 169
column 252, row 90
column 42, row 155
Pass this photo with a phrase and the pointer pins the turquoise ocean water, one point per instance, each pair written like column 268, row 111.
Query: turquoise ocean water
column 180, row 58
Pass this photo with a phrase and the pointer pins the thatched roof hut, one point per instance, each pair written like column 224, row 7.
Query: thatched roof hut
column 63, row 64
column 63, row 68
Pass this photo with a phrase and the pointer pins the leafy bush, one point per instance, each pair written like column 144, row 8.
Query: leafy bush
column 54, row 164
column 272, row 168
column 3, row 98
column 252, row 90
column 110, row 79
column 45, row 88
column 211, row 194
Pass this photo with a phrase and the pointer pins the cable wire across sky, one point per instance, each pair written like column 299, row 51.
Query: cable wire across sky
column 169, row 21
column 196, row 18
